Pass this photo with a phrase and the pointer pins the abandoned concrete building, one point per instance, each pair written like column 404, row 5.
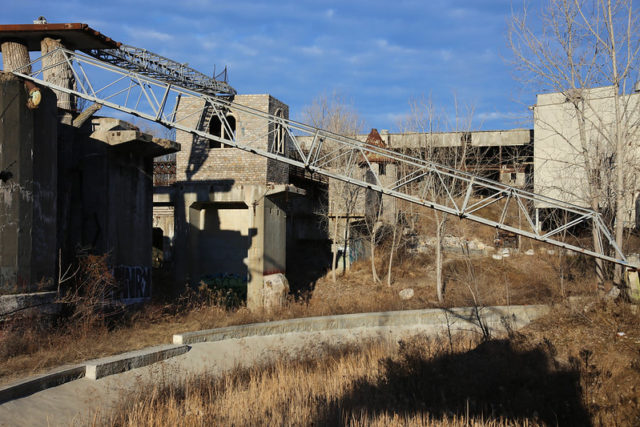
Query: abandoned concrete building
column 71, row 184
column 505, row 156
column 562, row 151
column 235, row 218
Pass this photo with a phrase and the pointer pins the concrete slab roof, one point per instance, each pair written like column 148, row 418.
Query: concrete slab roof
column 124, row 136
column 75, row 36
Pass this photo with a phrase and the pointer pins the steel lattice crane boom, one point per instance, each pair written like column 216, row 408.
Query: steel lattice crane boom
column 128, row 81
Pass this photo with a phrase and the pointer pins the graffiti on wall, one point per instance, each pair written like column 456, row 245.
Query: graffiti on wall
column 225, row 281
column 134, row 281
column 233, row 286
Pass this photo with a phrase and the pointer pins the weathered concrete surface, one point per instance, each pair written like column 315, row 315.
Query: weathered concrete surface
column 106, row 200
column 28, row 180
column 230, row 232
column 38, row 383
column 93, row 369
column 464, row 318
column 42, row 301
column 100, row 368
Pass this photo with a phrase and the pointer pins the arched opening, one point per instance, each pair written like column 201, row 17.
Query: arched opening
column 215, row 129
column 231, row 120
column 279, row 135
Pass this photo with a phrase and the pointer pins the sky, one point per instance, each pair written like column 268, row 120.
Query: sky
column 378, row 55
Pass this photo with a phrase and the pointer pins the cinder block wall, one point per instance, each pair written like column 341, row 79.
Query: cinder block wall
column 197, row 162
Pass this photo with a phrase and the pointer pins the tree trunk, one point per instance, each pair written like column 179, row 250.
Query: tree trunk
column 393, row 247
column 374, row 273
column 620, row 192
column 14, row 56
column 335, row 249
column 346, row 245
column 57, row 71
column 440, row 229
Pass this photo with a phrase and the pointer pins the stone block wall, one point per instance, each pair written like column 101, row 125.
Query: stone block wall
column 196, row 161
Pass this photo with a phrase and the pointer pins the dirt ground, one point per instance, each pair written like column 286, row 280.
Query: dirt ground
column 28, row 346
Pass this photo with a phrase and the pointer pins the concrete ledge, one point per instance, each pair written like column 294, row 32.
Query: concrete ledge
column 41, row 302
column 136, row 359
column 464, row 318
column 41, row 382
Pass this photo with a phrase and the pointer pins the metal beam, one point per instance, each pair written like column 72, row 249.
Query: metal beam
column 156, row 97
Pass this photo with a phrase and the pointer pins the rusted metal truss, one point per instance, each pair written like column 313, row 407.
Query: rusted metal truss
column 154, row 97
column 153, row 65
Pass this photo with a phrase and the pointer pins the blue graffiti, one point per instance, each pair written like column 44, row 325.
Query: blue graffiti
column 134, row 281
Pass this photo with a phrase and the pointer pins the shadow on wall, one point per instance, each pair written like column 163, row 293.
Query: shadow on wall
column 495, row 380
column 219, row 243
column 307, row 261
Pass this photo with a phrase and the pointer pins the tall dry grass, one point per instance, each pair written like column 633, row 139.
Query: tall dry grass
column 573, row 367
column 420, row 382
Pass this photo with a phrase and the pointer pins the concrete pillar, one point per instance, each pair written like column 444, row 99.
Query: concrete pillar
column 255, row 255
column 60, row 74
column 28, row 189
column 15, row 55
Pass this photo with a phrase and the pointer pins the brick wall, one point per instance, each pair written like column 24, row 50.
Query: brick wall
column 196, row 161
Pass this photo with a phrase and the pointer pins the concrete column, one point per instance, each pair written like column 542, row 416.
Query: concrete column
column 255, row 256
column 60, row 74
column 28, row 189
column 15, row 55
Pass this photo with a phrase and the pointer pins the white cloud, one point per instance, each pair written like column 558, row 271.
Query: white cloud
column 500, row 115
column 446, row 54
column 244, row 49
column 312, row 50
column 147, row 34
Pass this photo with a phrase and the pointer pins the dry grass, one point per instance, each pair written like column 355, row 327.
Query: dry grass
column 28, row 347
column 519, row 279
column 373, row 384
column 571, row 368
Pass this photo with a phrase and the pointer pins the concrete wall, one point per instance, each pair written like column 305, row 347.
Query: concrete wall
column 492, row 138
column 27, row 189
column 308, row 244
column 559, row 162
column 105, row 204
column 233, row 231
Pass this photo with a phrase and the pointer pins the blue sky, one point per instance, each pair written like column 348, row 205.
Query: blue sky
column 377, row 54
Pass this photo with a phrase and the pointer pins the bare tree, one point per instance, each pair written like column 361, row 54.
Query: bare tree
column 446, row 142
column 570, row 48
column 335, row 114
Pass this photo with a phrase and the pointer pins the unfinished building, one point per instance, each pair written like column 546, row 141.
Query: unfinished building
column 233, row 218
column 575, row 149
column 71, row 184
column 505, row 156
column 240, row 219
